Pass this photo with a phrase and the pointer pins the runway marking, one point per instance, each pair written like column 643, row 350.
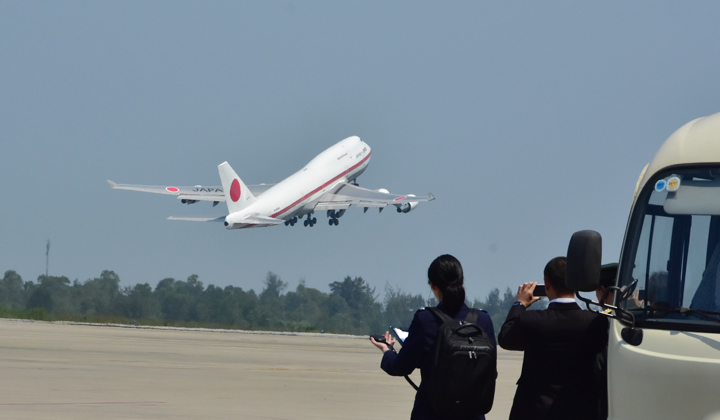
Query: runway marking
column 90, row 403
column 304, row 370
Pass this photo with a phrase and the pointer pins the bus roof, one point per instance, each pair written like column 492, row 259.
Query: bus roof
column 695, row 142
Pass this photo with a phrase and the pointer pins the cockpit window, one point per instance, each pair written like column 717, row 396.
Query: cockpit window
column 673, row 251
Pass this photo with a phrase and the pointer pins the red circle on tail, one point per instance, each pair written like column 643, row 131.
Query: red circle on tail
column 235, row 190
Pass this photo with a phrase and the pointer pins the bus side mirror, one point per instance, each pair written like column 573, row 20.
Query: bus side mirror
column 584, row 257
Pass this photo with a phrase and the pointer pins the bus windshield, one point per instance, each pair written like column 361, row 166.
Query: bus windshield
column 673, row 250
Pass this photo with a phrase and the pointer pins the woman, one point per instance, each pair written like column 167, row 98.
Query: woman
column 445, row 277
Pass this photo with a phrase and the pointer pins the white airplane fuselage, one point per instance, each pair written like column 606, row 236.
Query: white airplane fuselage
column 296, row 195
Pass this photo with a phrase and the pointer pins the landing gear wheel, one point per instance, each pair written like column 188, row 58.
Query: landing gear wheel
column 305, row 223
column 314, row 220
column 337, row 222
column 330, row 222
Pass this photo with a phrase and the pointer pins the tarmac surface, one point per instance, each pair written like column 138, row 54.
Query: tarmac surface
column 66, row 371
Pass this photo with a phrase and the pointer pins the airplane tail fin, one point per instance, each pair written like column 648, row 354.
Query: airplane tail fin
column 237, row 195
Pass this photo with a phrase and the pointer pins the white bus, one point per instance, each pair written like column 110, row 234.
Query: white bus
column 663, row 356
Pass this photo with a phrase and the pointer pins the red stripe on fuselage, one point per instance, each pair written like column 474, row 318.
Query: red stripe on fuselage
column 305, row 197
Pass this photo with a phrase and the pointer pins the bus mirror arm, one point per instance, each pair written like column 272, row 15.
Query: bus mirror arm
column 582, row 274
column 630, row 334
column 624, row 292
column 623, row 316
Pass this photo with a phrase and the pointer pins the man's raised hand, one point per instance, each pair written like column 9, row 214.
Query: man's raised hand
column 525, row 294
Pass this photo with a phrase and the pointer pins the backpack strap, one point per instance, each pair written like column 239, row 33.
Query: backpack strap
column 472, row 316
column 440, row 314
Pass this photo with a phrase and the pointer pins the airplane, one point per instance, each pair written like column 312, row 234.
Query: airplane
column 327, row 183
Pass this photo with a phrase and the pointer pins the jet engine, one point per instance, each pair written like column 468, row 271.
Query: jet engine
column 407, row 207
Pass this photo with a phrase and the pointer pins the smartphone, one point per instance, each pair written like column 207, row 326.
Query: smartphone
column 379, row 338
column 539, row 290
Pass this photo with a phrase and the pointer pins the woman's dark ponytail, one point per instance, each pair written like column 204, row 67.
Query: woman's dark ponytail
column 446, row 274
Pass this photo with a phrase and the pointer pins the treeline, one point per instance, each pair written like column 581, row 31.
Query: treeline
column 351, row 307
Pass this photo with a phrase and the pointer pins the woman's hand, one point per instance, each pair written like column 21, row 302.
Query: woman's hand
column 383, row 346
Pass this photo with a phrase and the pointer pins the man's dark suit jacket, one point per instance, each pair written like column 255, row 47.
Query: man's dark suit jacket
column 560, row 344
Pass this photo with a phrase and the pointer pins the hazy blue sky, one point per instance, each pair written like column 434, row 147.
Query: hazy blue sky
column 527, row 120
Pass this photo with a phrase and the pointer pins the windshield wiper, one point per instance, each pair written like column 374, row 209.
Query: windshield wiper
column 708, row 315
column 703, row 314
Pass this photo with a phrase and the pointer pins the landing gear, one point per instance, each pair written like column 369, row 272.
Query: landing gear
column 291, row 222
column 334, row 216
column 310, row 221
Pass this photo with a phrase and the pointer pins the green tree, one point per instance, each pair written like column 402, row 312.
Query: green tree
column 193, row 288
column 12, row 293
column 174, row 302
column 401, row 307
column 100, row 295
column 215, row 308
column 270, row 311
column 350, row 307
column 492, row 303
column 335, row 304
column 365, row 314
column 496, row 306
column 305, row 306
column 357, row 293
column 140, row 303
column 54, row 294
column 247, row 302
column 274, row 287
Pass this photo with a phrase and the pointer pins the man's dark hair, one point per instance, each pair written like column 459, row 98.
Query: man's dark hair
column 555, row 275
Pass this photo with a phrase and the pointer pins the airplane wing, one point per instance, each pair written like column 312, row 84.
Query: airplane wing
column 196, row 193
column 255, row 219
column 345, row 194
column 262, row 220
column 198, row 219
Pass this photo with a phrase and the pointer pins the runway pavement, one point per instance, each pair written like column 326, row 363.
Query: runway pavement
column 61, row 371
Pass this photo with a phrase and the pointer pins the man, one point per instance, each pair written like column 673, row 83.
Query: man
column 608, row 277
column 561, row 344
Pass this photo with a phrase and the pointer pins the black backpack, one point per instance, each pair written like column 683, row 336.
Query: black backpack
column 461, row 382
